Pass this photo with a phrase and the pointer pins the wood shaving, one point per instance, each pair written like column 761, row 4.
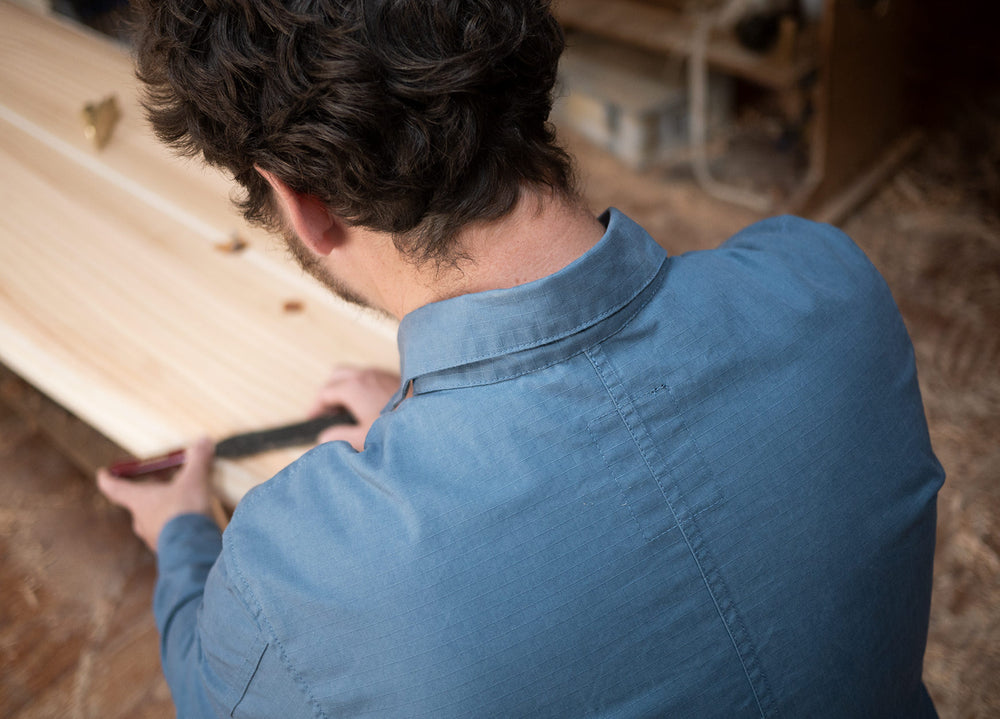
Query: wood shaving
column 233, row 245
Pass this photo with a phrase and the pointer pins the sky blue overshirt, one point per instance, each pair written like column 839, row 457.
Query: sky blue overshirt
column 644, row 486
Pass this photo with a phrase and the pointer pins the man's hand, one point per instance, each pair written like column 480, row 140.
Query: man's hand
column 153, row 503
column 363, row 392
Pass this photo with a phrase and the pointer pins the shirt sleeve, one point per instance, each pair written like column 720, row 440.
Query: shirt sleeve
column 215, row 657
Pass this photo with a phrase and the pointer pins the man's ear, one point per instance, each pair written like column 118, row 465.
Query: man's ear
column 313, row 223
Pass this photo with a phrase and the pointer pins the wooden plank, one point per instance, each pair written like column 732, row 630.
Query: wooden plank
column 115, row 302
column 77, row 635
column 50, row 68
column 143, row 329
column 77, row 440
column 662, row 30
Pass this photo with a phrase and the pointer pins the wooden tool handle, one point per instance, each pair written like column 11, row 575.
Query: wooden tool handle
column 129, row 468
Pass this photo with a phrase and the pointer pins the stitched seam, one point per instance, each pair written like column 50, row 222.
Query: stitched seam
column 566, row 333
column 684, row 533
column 614, row 475
column 583, row 350
column 246, row 687
column 621, row 488
column 720, row 581
column 285, row 661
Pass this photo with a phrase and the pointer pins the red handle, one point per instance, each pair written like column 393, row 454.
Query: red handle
column 135, row 467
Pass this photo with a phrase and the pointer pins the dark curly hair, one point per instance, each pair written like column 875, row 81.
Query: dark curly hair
column 413, row 117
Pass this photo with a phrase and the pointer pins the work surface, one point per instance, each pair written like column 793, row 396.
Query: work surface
column 116, row 297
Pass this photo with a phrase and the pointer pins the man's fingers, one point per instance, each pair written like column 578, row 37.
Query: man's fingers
column 153, row 504
column 118, row 491
column 345, row 372
column 336, row 394
column 197, row 462
column 362, row 392
column 352, row 434
column 127, row 492
column 323, row 405
column 330, row 395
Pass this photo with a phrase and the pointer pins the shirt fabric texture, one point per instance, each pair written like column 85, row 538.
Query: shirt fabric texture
column 644, row 486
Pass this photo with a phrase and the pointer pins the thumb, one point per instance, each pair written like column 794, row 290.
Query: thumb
column 197, row 462
column 118, row 491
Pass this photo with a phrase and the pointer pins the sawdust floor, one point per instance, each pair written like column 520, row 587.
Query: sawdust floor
column 76, row 633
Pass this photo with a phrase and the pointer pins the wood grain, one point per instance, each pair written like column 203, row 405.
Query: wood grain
column 114, row 299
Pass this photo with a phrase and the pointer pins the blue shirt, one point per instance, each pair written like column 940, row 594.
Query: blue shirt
column 693, row 486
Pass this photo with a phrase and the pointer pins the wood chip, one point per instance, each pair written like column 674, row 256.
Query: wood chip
column 234, row 245
column 99, row 120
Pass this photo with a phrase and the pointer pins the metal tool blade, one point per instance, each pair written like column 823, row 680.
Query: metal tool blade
column 240, row 445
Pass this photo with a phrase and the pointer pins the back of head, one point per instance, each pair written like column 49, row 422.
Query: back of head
column 412, row 117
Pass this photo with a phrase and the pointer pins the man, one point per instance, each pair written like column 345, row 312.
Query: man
column 608, row 482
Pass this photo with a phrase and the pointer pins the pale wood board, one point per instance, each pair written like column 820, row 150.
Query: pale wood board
column 114, row 300
column 50, row 68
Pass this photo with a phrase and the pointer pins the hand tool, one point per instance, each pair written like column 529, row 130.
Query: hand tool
column 240, row 445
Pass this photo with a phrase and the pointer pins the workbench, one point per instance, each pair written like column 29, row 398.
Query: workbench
column 122, row 299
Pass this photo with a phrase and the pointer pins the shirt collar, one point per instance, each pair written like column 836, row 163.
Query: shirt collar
column 468, row 330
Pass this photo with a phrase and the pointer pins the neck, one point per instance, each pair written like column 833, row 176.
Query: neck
column 539, row 237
